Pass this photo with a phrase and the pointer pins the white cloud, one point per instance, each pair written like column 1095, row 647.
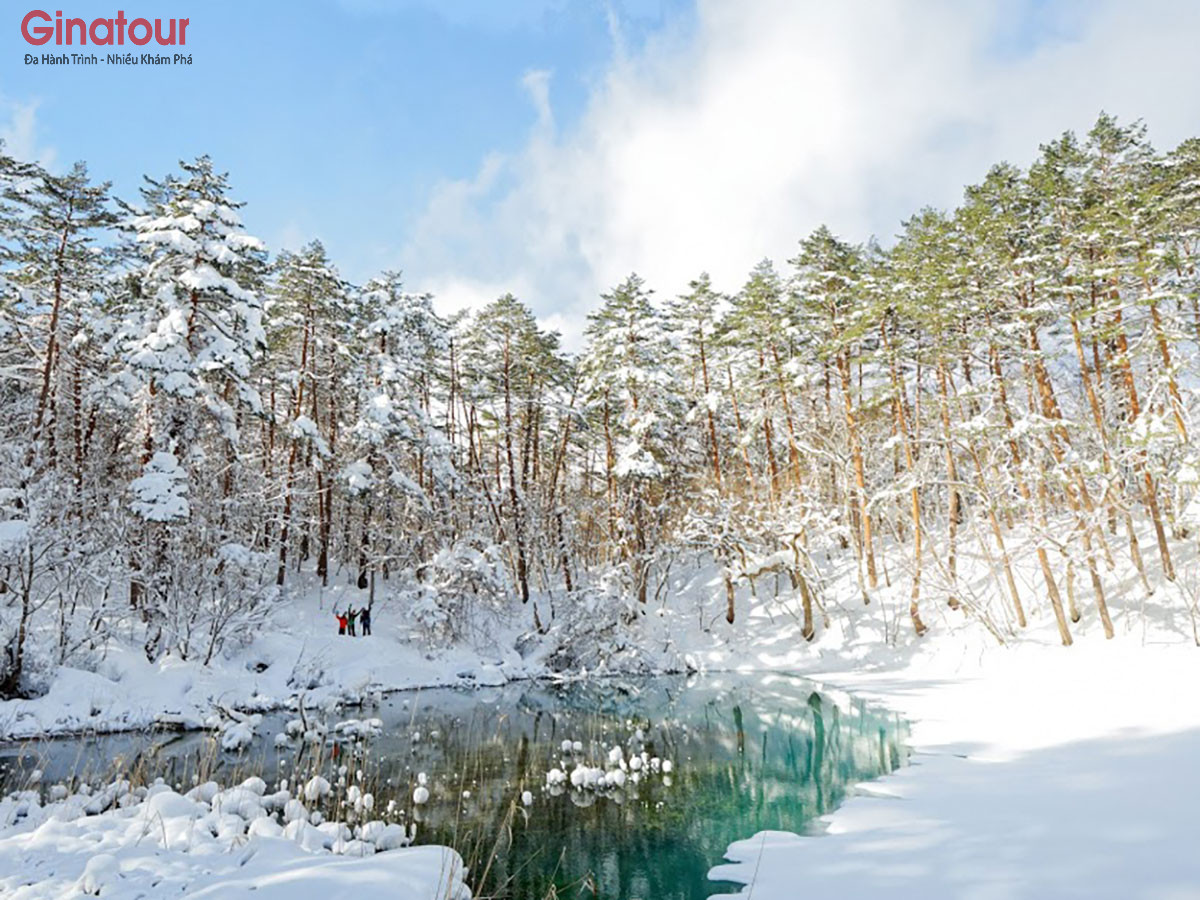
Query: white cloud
column 488, row 14
column 20, row 136
column 537, row 83
column 731, row 137
column 292, row 236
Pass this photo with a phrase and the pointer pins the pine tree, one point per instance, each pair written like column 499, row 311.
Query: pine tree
column 190, row 330
column 57, row 261
column 628, row 379
column 310, row 319
column 513, row 367
column 400, row 468
column 758, row 325
column 694, row 319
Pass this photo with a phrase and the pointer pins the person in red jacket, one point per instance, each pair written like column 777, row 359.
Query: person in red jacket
column 342, row 621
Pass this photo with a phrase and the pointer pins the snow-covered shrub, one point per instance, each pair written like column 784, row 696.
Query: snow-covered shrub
column 592, row 633
column 456, row 593
column 308, row 673
column 160, row 494
column 38, row 670
column 204, row 604
column 54, row 588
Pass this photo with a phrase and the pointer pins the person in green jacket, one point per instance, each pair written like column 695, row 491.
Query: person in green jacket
column 351, row 615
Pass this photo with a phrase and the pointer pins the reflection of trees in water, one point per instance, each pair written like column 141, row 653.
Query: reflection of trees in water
column 747, row 758
column 743, row 765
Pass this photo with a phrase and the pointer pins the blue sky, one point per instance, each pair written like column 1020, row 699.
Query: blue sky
column 550, row 147
column 333, row 117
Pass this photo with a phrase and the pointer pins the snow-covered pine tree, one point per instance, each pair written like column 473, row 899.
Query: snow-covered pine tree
column 57, row 261
column 310, row 325
column 511, row 372
column 190, row 329
column 631, row 385
column 399, row 475
column 694, row 318
column 757, row 330
column 835, row 320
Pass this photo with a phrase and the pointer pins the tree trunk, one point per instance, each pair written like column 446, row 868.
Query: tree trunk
column 742, row 442
column 39, row 417
column 712, row 427
column 860, row 482
column 902, row 426
column 513, row 495
column 954, row 507
column 1085, row 372
column 1149, row 489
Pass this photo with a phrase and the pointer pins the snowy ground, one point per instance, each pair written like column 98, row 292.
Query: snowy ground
column 1039, row 771
column 1032, row 778
column 300, row 653
column 156, row 843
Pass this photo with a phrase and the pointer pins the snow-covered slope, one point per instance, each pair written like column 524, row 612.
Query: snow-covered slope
column 300, row 653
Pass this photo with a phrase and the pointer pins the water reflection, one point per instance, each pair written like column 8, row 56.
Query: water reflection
column 678, row 769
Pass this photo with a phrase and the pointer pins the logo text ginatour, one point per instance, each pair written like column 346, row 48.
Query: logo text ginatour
column 101, row 31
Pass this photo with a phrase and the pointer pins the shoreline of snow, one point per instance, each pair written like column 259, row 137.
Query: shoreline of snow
column 299, row 653
column 175, row 725
column 1028, row 779
column 180, row 725
column 127, row 693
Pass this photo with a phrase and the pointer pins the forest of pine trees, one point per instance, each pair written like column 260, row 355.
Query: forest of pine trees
column 188, row 422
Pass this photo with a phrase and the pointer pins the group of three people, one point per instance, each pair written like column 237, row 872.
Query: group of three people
column 346, row 620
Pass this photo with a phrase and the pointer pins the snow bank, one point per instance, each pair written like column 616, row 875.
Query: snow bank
column 122, row 843
column 1034, row 775
column 1038, row 768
